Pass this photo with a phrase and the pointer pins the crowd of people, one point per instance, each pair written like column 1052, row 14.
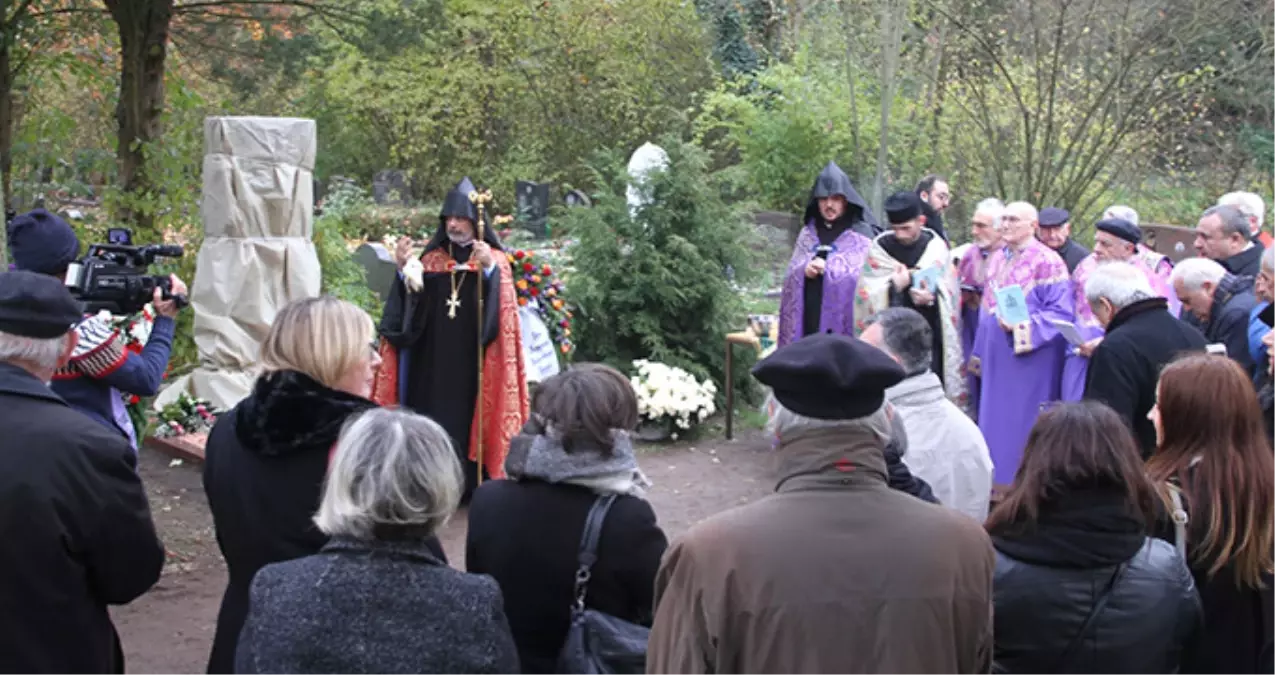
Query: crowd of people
column 957, row 488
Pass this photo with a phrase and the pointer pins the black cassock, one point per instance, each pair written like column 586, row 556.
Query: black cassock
column 438, row 354
column 910, row 255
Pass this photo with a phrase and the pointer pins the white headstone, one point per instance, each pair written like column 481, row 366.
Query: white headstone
column 648, row 159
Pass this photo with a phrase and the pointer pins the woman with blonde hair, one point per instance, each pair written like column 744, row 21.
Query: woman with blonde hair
column 377, row 599
column 267, row 457
column 1212, row 450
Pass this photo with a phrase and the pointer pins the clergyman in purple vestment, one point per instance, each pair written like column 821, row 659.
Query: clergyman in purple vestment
column 971, row 274
column 1115, row 240
column 823, row 275
column 1021, row 364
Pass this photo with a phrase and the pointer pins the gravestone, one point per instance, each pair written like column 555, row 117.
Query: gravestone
column 533, row 207
column 379, row 266
column 390, row 186
column 646, row 161
column 577, row 198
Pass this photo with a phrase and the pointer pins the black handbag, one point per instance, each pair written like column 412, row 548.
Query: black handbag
column 598, row 642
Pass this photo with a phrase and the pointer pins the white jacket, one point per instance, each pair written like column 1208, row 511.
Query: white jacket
column 945, row 447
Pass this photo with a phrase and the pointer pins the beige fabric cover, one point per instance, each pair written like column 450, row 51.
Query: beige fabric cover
column 258, row 215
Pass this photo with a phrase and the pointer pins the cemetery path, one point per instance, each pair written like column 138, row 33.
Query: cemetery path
column 170, row 629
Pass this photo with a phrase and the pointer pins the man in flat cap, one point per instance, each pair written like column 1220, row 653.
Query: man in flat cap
column 76, row 524
column 101, row 370
column 1055, row 232
column 834, row 572
column 1115, row 240
column 823, row 273
column 910, row 266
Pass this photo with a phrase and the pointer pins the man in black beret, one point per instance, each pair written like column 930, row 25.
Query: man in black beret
column 101, row 367
column 76, row 523
column 1115, row 240
column 1055, row 232
column 910, row 266
column 833, row 551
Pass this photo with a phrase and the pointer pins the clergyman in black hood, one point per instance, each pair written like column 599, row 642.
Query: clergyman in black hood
column 430, row 338
column 823, row 274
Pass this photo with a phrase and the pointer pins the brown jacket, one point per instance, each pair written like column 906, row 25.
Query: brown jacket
column 835, row 573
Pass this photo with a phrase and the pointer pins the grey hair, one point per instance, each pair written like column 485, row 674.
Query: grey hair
column 45, row 354
column 1251, row 205
column 1122, row 212
column 786, row 424
column 907, row 337
column 992, row 207
column 1268, row 259
column 1233, row 220
column 391, row 467
column 1193, row 272
column 1119, row 283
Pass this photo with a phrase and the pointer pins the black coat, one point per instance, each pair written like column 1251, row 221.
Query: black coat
column 1072, row 254
column 77, row 533
column 1125, row 368
column 1233, row 303
column 263, row 473
column 1246, row 263
column 526, row 534
column 374, row 607
column 1050, row 575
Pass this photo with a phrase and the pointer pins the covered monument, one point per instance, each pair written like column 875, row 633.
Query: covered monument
column 257, row 256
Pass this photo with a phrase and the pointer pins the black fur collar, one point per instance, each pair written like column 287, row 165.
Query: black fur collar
column 290, row 412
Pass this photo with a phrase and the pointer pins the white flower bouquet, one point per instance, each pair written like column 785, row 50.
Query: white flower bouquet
column 672, row 396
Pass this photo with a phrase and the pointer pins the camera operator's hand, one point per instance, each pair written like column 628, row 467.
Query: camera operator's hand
column 169, row 307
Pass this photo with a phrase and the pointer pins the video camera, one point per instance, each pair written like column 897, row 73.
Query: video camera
column 113, row 276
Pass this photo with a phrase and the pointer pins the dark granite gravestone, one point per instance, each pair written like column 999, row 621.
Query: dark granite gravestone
column 577, row 198
column 533, row 207
column 390, row 186
column 379, row 265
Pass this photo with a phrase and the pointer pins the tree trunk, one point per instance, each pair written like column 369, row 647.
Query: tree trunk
column 852, row 81
column 143, row 29
column 892, row 17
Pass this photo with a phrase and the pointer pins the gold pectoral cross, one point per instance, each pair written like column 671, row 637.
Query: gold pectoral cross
column 452, row 304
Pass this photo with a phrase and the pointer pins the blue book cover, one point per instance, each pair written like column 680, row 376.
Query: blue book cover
column 930, row 276
column 1011, row 305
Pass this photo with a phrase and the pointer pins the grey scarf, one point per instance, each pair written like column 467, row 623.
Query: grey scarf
column 537, row 453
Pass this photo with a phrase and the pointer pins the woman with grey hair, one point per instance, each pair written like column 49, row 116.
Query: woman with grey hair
column 526, row 531
column 376, row 599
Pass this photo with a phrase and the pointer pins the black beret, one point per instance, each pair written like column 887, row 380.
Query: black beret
column 829, row 377
column 901, row 207
column 1053, row 217
column 1122, row 228
column 42, row 242
column 36, row 305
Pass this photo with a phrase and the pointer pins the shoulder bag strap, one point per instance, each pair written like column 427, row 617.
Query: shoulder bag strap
column 1064, row 661
column 589, row 546
column 1180, row 520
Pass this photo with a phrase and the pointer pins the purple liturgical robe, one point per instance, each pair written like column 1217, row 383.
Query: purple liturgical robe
column 1075, row 366
column 840, row 281
column 971, row 274
column 1022, row 369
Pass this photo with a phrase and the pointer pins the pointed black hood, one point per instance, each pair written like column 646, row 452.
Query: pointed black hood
column 457, row 204
column 833, row 181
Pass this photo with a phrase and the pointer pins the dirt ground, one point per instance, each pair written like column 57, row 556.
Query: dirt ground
column 170, row 629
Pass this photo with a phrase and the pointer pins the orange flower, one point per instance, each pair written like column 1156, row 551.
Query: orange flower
column 522, row 302
column 557, row 304
column 566, row 332
column 551, row 292
column 566, row 348
column 535, row 278
column 522, row 284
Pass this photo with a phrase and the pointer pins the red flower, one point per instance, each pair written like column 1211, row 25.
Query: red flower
column 134, row 399
column 546, row 270
column 518, row 255
column 528, row 267
column 533, row 291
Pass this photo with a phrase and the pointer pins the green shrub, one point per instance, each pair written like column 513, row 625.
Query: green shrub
column 655, row 286
column 343, row 276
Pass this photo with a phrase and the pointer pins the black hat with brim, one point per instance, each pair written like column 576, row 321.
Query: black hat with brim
column 829, row 377
column 35, row 305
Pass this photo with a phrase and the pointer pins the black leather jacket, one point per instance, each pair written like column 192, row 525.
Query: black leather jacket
column 1152, row 613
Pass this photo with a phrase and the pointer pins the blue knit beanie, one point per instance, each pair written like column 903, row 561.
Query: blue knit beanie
column 40, row 241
